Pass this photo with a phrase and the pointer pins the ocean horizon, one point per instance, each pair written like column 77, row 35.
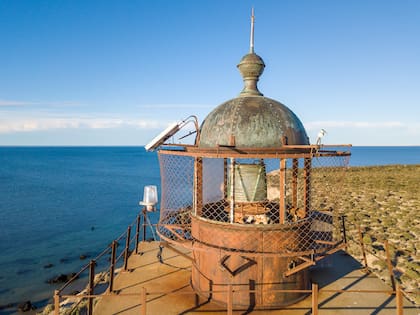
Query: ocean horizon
column 61, row 202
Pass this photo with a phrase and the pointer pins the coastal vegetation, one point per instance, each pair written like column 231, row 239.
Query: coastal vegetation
column 384, row 201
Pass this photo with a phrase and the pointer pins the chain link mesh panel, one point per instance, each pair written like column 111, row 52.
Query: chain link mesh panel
column 177, row 176
column 286, row 207
column 327, row 182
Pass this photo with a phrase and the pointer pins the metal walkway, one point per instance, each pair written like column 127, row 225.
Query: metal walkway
column 167, row 290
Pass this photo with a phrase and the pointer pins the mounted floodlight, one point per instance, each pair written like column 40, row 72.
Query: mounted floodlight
column 321, row 134
column 169, row 132
column 150, row 197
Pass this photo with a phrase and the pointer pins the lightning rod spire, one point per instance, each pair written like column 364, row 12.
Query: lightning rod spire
column 251, row 40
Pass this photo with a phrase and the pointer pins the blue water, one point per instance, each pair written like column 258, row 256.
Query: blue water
column 364, row 156
column 60, row 202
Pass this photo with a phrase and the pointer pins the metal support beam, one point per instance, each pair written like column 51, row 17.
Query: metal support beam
column 282, row 189
column 295, row 172
column 198, row 185
column 314, row 299
column 232, row 191
column 307, row 184
column 91, row 286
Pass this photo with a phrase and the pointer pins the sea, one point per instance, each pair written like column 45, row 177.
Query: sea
column 58, row 203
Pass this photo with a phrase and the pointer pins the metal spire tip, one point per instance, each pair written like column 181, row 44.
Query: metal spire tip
column 251, row 40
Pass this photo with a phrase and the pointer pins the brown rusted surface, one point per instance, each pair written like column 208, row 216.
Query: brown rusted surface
column 295, row 171
column 260, row 245
column 286, row 152
column 282, row 191
column 214, row 270
column 307, row 189
column 198, row 183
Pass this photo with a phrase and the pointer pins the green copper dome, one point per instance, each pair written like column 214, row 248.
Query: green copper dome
column 254, row 121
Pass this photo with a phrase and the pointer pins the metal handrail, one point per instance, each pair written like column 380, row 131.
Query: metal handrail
column 398, row 290
column 100, row 255
column 76, row 276
column 314, row 291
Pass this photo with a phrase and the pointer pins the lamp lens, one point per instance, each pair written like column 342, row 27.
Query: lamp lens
column 150, row 195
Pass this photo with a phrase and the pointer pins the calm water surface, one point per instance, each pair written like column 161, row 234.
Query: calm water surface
column 59, row 203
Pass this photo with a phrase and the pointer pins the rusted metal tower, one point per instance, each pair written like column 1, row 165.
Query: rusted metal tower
column 252, row 199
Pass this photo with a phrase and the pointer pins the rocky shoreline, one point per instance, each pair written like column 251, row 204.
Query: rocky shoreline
column 33, row 306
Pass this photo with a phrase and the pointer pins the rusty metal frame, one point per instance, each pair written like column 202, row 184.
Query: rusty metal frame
column 398, row 291
column 282, row 190
column 304, row 151
column 166, row 244
column 307, row 262
column 307, row 184
column 295, row 170
column 198, row 184
column 237, row 256
column 249, row 262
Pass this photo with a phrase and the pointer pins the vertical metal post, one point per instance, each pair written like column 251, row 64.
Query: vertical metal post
column 91, row 286
column 389, row 264
column 127, row 248
column 225, row 179
column 137, row 234
column 230, row 299
column 144, row 223
column 295, row 172
column 143, row 308
column 232, row 191
column 343, row 226
column 282, row 191
column 112, row 267
column 363, row 248
column 56, row 302
column 307, row 183
column 399, row 298
column 314, row 299
column 198, row 185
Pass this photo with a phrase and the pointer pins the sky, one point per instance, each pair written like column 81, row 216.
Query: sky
column 85, row 72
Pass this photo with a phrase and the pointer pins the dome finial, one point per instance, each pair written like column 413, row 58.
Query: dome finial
column 251, row 39
column 251, row 66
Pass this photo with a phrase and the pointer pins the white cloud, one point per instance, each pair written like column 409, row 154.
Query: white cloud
column 15, row 103
column 316, row 125
column 41, row 124
column 176, row 106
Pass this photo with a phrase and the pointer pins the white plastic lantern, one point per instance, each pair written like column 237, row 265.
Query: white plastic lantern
column 150, row 197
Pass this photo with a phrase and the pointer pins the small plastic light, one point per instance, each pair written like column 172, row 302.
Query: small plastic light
column 150, row 197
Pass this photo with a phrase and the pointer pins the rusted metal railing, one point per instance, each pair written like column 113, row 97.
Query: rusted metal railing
column 114, row 258
column 315, row 291
column 362, row 246
column 390, row 269
column 91, row 285
column 230, row 292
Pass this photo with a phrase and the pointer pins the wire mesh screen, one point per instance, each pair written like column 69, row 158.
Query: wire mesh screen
column 327, row 180
column 177, row 176
column 260, row 206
